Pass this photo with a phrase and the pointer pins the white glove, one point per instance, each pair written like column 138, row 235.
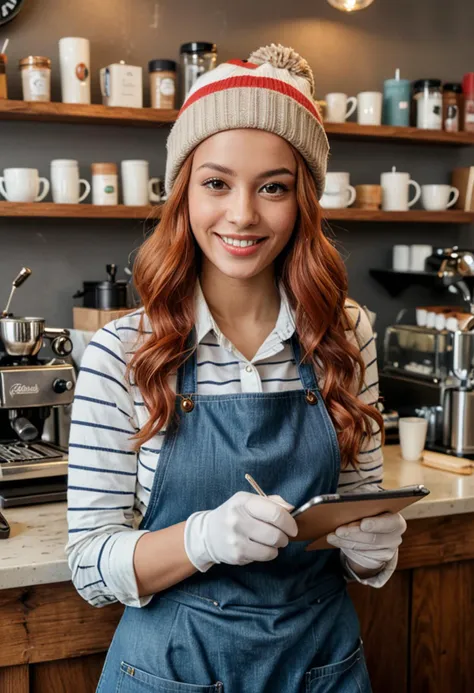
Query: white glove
column 372, row 542
column 245, row 528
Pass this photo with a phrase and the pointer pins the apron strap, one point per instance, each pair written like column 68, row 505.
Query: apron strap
column 305, row 370
column 187, row 372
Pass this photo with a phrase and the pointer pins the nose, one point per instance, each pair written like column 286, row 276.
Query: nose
column 241, row 210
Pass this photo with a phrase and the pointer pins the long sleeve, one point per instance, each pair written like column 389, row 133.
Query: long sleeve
column 369, row 473
column 102, row 477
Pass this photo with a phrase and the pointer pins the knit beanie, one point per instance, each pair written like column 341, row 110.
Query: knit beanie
column 272, row 91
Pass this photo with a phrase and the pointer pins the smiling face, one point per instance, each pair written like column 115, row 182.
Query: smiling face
column 242, row 200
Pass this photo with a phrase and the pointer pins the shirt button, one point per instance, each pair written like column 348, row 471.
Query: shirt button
column 249, row 369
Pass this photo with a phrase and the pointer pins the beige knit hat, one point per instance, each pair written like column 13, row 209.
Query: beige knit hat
column 273, row 91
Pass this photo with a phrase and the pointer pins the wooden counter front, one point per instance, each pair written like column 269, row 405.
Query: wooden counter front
column 417, row 630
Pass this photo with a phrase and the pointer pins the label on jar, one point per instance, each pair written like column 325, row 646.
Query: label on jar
column 36, row 84
column 469, row 113
column 167, row 86
column 451, row 122
column 104, row 189
column 429, row 111
column 164, row 92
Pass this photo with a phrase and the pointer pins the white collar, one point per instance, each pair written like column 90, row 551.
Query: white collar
column 284, row 326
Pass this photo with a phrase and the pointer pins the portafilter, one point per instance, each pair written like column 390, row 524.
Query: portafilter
column 24, row 337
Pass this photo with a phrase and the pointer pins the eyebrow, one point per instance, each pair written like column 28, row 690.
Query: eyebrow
column 266, row 174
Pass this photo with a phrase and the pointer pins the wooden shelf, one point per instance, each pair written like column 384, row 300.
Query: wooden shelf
column 80, row 211
column 414, row 216
column 56, row 112
column 390, row 133
column 88, row 211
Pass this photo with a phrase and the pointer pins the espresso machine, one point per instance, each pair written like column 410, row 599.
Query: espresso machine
column 34, row 394
column 429, row 372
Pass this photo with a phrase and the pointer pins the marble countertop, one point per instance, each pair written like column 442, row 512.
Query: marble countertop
column 34, row 553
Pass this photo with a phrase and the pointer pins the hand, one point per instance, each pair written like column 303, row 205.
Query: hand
column 372, row 542
column 244, row 529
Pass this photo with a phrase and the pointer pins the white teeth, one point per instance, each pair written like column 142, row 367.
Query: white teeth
column 237, row 243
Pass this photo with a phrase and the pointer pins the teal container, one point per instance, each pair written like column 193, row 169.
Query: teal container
column 396, row 102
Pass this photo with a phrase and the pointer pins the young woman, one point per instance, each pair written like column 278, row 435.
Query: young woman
column 246, row 358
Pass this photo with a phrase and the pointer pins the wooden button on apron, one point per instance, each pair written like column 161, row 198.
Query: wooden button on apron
column 187, row 404
column 311, row 397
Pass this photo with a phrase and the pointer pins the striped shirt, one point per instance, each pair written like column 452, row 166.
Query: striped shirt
column 110, row 483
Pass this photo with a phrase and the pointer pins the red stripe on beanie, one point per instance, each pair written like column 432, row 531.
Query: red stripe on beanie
column 253, row 82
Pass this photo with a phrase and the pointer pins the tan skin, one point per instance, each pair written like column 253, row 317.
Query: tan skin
column 242, row 182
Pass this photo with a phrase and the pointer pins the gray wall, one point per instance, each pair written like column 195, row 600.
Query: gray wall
column 348, row 53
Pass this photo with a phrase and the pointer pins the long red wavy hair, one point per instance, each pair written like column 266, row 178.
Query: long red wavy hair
column 315, row 279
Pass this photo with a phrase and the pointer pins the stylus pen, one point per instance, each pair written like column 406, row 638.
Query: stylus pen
column 255, row 486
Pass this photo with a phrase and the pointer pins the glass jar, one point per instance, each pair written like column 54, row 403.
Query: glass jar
column 429, row 104
column 36, row 78
column 452, row 101
column 162, row 83
column 196, row 58
column 468, row 90
column 3, row 76
column 104, row 183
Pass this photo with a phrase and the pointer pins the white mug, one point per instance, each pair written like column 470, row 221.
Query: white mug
column 65, row 182
column 418, row 255
column 369, row 107
column 23, row 185
column 338, row 193
column 75, row 66
column 412, row 431
column 137, row 187
column 395, row 191
column 339, row 107
column 436, row 197
column 401, row 258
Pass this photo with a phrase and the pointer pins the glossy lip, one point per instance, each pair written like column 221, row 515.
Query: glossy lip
column 242, row 252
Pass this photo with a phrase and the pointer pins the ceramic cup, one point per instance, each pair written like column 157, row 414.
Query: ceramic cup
column 137, row 186
column 418, row 255
column 438, row 197
column 65, row 182
column 401, row 258
column 339, row 107
column 338, row 193
column 369, row 108
column 395, row 187
column 23, row 185
column 412, row 430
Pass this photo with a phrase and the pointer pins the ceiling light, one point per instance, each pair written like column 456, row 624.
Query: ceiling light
column 350, row 5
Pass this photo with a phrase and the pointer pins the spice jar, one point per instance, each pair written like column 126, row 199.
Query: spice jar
column 452, row 100
column 429, row 104
column 468, row 89
column 195, row 59
column 104, row 184
column 3, row 76
column 36, row 78
column 162, row 83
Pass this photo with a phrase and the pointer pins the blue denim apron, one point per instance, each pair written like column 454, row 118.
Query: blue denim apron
column 283, row 626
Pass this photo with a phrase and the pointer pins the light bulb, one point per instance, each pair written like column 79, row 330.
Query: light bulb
column 350, row 5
